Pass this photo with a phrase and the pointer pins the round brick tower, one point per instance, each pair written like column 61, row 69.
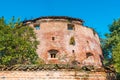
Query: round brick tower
column 65, row 40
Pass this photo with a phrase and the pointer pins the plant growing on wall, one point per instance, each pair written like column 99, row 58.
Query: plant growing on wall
column 72, row 41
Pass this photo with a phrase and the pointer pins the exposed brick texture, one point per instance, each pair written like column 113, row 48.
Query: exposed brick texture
column 53, row 75
column 63, row 41
column 85, row 41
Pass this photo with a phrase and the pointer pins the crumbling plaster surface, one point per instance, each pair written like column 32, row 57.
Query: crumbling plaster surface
column 86, row 40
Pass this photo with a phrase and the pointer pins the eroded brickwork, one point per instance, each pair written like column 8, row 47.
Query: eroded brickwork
column 56, row 46
column 53, row 75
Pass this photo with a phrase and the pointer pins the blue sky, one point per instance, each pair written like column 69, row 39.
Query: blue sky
column 96, row 13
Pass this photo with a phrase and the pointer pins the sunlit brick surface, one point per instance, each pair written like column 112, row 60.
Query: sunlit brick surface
column 52, row 75
column 86, row 41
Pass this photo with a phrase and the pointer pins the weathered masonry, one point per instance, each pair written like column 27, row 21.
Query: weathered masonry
column 65, row 40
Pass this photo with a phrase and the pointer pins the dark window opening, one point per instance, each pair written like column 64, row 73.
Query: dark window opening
column 53, row 53
column 37, row 27
column 53, row 38
column 73, row 51
column 89, row 54
column 87, row 41
column 71, row 27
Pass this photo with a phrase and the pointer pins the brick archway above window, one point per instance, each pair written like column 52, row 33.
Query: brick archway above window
column 53, row 53
column 88, row 54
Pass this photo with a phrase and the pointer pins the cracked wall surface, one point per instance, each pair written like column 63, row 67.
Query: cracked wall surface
column 55, row 33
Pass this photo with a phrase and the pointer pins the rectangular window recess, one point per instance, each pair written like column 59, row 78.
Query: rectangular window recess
column 71, row 27
column 53, row 38
column 37, row 27
column 53, row 55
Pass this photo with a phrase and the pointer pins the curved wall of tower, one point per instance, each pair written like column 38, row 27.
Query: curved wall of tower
column 65, row 40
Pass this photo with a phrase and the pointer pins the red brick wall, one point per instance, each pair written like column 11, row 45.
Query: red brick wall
column 52, row 75
column 85, row 41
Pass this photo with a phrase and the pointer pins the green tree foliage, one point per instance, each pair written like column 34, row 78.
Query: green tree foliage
column 18, row 43
column 116, row 57
column 111, row 45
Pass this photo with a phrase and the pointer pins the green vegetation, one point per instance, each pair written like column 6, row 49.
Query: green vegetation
column 18, row 46
column 18, row 43
column 111, row 46
column 72, row 41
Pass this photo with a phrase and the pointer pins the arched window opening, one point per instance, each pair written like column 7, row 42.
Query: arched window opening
column 89, row 54
column 53, row 53
column 72, row 41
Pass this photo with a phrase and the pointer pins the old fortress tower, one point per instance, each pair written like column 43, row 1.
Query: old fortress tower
column 65, row 40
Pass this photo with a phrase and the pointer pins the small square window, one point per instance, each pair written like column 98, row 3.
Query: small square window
column 53, row 38
column 37, row 27
column 71, row 27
